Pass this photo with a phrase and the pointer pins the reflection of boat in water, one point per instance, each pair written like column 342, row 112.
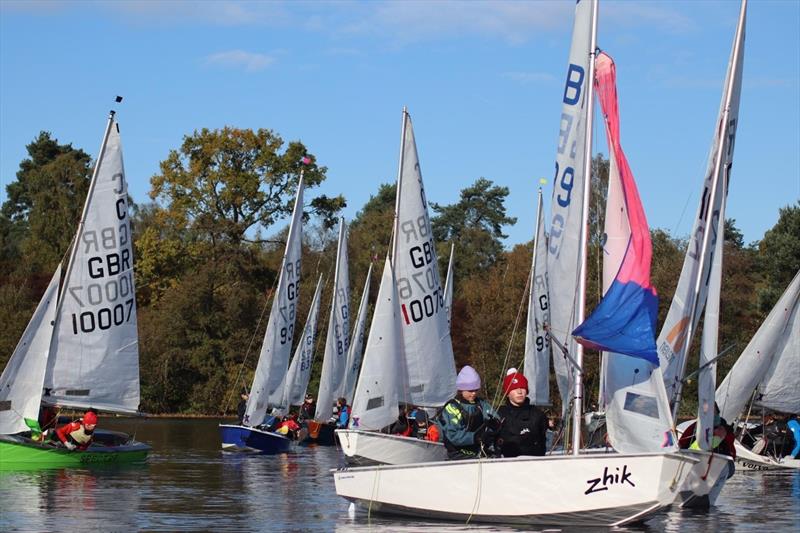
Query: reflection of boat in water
column 82, row 342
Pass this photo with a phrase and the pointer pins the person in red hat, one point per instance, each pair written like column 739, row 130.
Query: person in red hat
column 78, row 434
column 524, row 426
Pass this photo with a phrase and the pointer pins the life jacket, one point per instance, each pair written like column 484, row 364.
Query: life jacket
column 471, row 421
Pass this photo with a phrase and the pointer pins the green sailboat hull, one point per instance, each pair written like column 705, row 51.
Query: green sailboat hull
column 23, row 454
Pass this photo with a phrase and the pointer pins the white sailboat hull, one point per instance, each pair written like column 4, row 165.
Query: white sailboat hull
column 747, row 460
column 365, row 448
column 705, row 480
column 610, row 490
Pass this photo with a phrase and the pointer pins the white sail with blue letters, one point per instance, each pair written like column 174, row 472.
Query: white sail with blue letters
column 94, row 355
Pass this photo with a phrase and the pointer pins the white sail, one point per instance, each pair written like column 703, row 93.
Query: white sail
column 690, row 294
column 94, row 355
column 775, row 340
column 378, row 391
column 332, row 381
column 537, row 344
column 296, row 380
column 23, row 377
column 274, row 358
column 448, row 289
column 426, row 337
column 780, row 388
column 707, row 377
column 565, row 228
column 357, row 342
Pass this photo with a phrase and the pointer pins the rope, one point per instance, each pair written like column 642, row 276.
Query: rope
column 477, row 489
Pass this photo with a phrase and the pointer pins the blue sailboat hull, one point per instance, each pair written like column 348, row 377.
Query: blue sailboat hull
column 248, row 439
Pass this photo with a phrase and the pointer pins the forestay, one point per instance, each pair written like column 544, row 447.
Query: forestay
column 537, row 343
column 672, row 340
column 427, row 348
column 565, row 228
column 623, row 323
column 357, row 342
column 22, row 379
column 94, row 355
column 332, row 381
column 769, row 362
column 296, row 380
column 274, row 358
column 378, row 391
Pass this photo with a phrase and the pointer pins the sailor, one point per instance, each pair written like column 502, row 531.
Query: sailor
column 469, row 423
column 421, row 427
column 524, row 430
column 78, row 434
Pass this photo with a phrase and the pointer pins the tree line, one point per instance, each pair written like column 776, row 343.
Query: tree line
column 208, row 243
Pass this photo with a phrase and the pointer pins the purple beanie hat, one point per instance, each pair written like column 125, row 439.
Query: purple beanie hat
column 468, row 379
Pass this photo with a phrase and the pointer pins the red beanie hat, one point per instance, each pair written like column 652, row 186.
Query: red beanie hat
column 514, row 380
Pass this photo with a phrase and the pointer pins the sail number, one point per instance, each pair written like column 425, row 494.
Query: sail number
column 103, row 318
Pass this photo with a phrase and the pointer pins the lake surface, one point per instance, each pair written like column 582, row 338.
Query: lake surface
column 188, row 484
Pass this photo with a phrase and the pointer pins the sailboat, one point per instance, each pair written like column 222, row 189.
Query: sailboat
column 448, row 289
column 767, row 370
column 337, row 343
column 81, row 345
column 597, row 490
column 699, row 286
column 426, row 374
column 269, row 382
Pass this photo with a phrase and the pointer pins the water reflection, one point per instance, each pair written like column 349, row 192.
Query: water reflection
column 188, row 484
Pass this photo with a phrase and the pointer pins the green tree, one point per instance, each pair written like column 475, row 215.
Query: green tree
column 475, row 223
column 779, row 256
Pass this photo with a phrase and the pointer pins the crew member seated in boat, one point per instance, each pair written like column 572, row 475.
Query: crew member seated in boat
column 78, row 434
column 343, row 413
column 308, row 408
column 48, row 417
column 241, row 409
column 721, row 442
column 288, row 426
column 524, row 429
column 421, row 427
column 469, row 423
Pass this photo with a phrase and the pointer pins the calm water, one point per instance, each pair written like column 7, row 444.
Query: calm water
column 188, row 484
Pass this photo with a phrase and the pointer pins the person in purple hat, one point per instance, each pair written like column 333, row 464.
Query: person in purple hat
column 469, row 423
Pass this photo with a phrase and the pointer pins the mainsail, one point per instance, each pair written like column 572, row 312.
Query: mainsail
column 564, row 246
column 94, row 355
column 22, row 379
column 377, row 395
column 274, row 358
column 426, row 344
column 448, row 289
column 296, row 380
column 769, row 363
column 332, row 381
column 537, row 344
column 690, row 294
column 623, row 323
column 357, row 342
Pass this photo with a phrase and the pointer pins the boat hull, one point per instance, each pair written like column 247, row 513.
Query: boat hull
column 319, row 433
column 749, row 461
column 608, row 490
column 702, row 486
column 21, row 453
column 247, row 439
column 365, row 448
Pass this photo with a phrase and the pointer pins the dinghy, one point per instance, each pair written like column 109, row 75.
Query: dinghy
column 81, row 345
column 269, row 381
column 577, row 489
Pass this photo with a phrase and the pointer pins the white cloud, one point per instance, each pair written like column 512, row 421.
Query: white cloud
column 249, row 61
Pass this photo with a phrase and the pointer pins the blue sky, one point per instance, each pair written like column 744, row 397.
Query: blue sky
column 482, row 81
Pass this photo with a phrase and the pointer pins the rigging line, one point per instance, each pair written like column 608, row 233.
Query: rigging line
column 252, row 338
column 498, row 391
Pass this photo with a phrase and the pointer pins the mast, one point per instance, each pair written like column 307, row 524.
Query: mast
column 89, row 193
column 723, row 125
column 395, row 229
column 587, row 182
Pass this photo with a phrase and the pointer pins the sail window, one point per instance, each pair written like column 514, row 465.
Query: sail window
column 374, row 403
column 641, row 404
column 77, row 392
column 5, row 405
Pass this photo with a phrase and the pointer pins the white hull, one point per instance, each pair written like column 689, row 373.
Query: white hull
column 747, row 460
column 705, row 480
column 607, row 490
column 363, row 448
